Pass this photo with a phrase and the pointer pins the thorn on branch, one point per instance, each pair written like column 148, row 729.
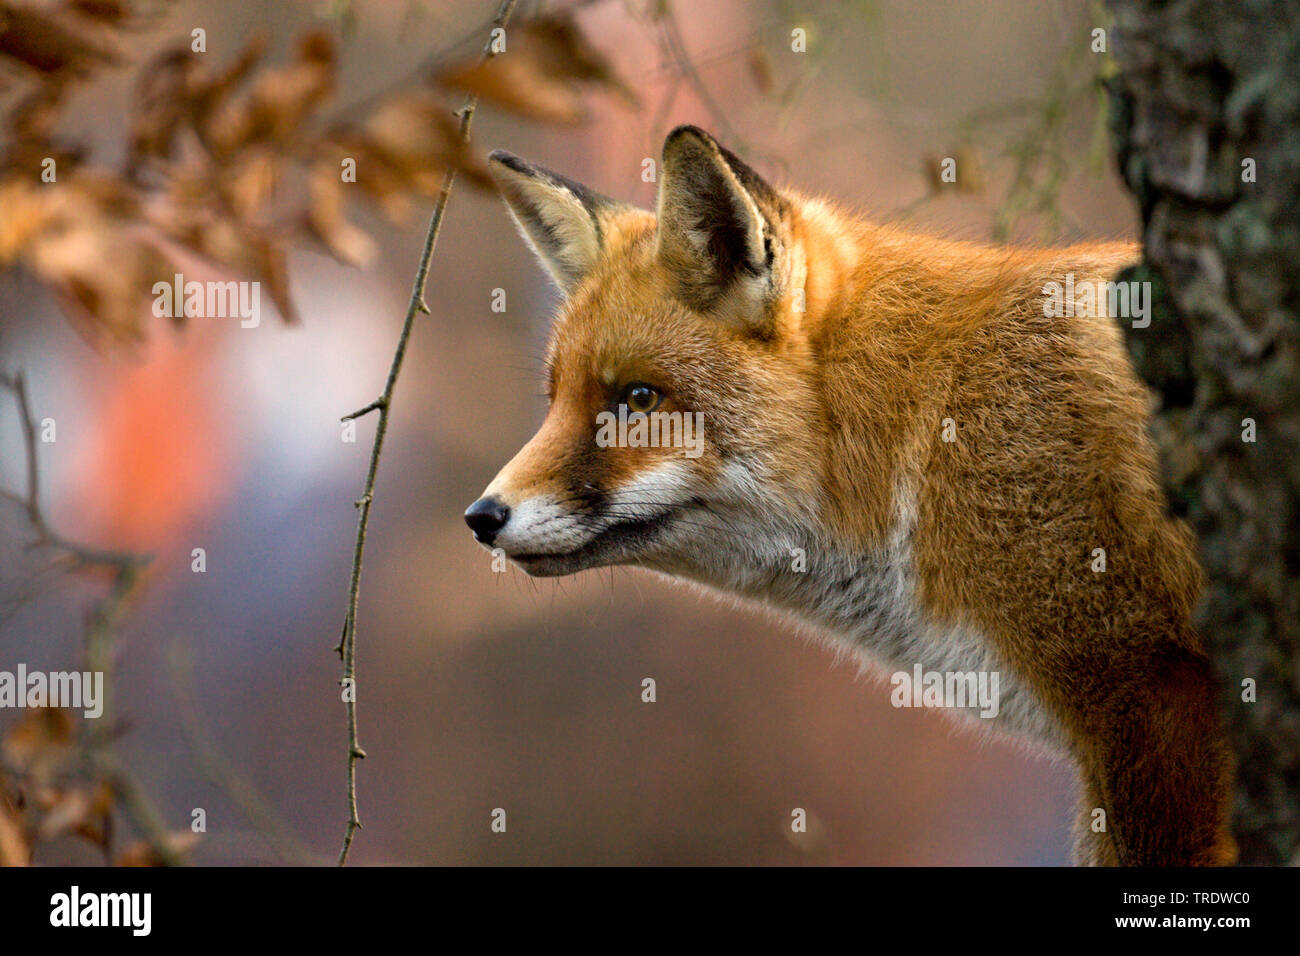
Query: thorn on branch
column 377, row 404
column 347, row 647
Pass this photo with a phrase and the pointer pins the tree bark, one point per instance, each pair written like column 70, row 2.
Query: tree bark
column 1202, row 87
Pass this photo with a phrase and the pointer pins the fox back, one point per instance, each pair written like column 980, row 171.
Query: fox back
column 932, row 451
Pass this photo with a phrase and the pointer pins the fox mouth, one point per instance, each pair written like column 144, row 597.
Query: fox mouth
column 619, row 543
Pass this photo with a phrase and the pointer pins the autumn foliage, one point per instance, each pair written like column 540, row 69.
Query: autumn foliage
column 228, row 160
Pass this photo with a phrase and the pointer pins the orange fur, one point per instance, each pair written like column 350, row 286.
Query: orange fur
column 824, row 427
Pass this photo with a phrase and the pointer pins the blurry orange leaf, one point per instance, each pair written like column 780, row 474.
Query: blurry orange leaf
column 177, row 88
column 141, row 853
column 14, row 847
column 326, row 218
column 250, row 184
column 404, row 147
column 101, row 273
column 40, row 742
column 540, row 73
column 32, row 120
column 170, row 90
column 280, row 100
column 210, row 215
column 77, row 810
column 23, row 213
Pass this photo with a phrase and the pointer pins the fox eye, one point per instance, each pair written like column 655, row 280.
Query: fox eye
column 642, row 398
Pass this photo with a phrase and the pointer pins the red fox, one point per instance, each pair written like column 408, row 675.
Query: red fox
column 902, row 444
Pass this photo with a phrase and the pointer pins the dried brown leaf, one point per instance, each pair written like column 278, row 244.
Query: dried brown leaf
column 83, row 238
column 52, row 41
column 196, row 209
column 177, row 89
column 249, row 184
column 115, row 12
column 271, row 265
column 41, row 741
column 32, row 120
column 564, row 50
column 540, row 73
column 418, row 130
column 15, row 849
column 279, row 101
column 516, row 83
column 141, row 853
column 65, row 811
column 404, row 149
column 168, row 92
column 326, row 218
column 25, row 209
column 102, row 276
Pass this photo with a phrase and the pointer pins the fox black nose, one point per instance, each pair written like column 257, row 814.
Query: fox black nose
column 486, row 517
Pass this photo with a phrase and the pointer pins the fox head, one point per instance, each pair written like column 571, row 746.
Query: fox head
column 681, row 431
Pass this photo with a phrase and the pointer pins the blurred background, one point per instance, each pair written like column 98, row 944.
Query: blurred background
column 480, row 690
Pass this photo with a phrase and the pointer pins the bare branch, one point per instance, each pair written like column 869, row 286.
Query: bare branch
column 100, row 628
column 383, row 404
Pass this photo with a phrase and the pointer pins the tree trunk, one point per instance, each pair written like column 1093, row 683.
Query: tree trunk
column 1207, row 99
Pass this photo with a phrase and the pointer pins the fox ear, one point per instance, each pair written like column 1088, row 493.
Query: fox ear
column 558, row 218
column 720, row 231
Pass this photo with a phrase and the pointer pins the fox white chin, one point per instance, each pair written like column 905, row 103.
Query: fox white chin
column 614, row 546
column 642, row 542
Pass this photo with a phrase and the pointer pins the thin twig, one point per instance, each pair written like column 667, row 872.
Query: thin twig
column 676, row 48
column 127, row 572
column 31, row 503
column 383, row 405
